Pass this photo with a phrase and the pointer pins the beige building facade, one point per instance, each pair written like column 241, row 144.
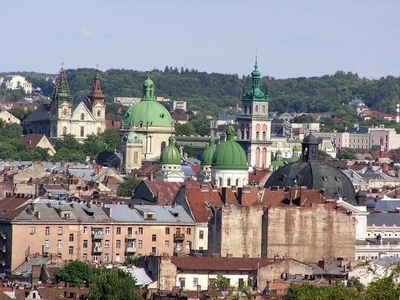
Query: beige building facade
column 92, row 233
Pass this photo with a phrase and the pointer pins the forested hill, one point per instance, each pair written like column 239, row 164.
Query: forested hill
column 212, row 93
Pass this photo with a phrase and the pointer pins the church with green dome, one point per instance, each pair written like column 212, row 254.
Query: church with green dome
column 150, row 121
column 171, row 163
column 229, row 163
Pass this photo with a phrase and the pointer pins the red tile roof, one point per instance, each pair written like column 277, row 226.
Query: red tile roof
column 218, row 263
column 32, row 139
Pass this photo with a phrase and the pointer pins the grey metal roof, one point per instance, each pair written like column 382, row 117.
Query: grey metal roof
column 165, row 214
column 360, row 130
column 385, row 205
column 26, row 268
column 380, row 219
column 188, row 171
column 123, row 213
column 86, row 173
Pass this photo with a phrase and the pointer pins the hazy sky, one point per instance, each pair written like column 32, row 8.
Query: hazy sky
column 293, row 38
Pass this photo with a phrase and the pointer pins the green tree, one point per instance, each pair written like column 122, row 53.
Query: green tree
column 75, row 273
column 126, row 188
column 93, row 145
column 221, row 283
column 304, row 119
column 20, row 113
column 309, row 291
column 69, row 142
column 110, row 137
column 346, row 154
column 108, row 284
column 184, row 129
column 201, row 124
column 133, row 260
column 10, row 130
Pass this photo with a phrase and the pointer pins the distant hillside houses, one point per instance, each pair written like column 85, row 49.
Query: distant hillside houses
column 14, row 82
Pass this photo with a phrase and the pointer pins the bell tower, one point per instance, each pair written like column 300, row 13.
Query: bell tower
column 98, row 103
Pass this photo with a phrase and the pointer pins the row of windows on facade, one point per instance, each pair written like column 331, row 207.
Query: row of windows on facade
column 32, row 230
column 118, row 244
column 81, row 133
column 182, row 282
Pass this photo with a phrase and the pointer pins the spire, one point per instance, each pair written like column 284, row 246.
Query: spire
column 61, row 89
column 96, row 95
column 148, row 90
column 230, row 133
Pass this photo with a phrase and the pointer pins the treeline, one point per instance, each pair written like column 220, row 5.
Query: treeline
column 214, row 92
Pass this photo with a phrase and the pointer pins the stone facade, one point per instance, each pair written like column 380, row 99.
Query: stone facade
column 309, row 234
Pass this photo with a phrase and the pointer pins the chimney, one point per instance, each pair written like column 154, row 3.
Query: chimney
column 240, row 195
column 322, row 264
column 223, row 195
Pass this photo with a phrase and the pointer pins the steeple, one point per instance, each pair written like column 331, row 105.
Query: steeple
column 255, row 93
column 96, row 95
column 309, row 148
column 61, row 90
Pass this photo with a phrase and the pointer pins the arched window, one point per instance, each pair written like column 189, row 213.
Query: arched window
column 135, row 158
column 237, row 182
column 220, row 181
column 228, row 183
column 250, row 110
column 245, row 109
column 98, row 113
column 98, row 130
column 82, row 116
column 256, row 108
column 264, row 135
column 64, row 130
column 163, row 145
column 257, row 135
column 263, row 109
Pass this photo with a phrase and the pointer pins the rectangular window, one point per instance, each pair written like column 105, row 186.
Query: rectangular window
column 85, row 243
column 47, row 231
column 82, row 131
column 59, row 244
column 71, row 250
column 195, row 282
column 153, row 250
column 107, row 230
column 166, row 230
column 167, row 244
column 118, row 244
column 60, row 230
column 32, row 230
column 140, row 244
column 153, row 238
column 189, row 230
column 140, row 231
column 47, row 244
column 188, row 244
column 129, row 230
column 201, row 249
column 85, row 229
column 118, row 230
column 95, row 258
column 71, row 237
column 106, row 257
column 84, row 257
column 201, row 234
column 107, row 244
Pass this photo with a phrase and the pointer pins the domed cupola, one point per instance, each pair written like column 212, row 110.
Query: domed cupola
column 131, row 137
column 148, row 112
column 255, row 93
column 207, row 156
column 229, row 163
column 170, row 155
column 312, row 173
column 229, row 154
column 171, row 168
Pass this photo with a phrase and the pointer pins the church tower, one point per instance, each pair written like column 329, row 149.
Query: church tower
column 98, row 103
column 254, row 131
column 61, row 104
column 131, row 148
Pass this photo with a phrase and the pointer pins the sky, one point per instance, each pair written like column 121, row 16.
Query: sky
column 300, row 38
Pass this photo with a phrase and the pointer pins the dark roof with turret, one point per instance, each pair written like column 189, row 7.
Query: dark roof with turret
column 311, row 172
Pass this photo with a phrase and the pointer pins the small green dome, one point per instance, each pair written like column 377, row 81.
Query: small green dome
column 279, row 152
column 131, row 137
column 170, row 154
column 256, row 73
column 295, row 148
column 148, row 112
column 207, row 156
column 229, row 154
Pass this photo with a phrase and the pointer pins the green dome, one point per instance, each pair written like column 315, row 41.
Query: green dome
column 229, row 154
column 207, row 156
column 131, row 137
column 170, row 154
column 148, row 112
column 295, row 148
column 279, row 152
column 255, row 93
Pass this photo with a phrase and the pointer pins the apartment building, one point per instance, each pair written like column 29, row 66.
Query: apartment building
column 90, row 232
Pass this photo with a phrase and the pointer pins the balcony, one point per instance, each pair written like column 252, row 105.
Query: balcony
column 130, row 248
column 130, row 236
column 3, row 235
column 3, row 249
column 97, row 249
column 179, row 237
column 97, row 235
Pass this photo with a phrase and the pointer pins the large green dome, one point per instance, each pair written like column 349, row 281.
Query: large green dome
column 148, row 112
column 207, row 156
column 229, row 154
column 170, row 154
